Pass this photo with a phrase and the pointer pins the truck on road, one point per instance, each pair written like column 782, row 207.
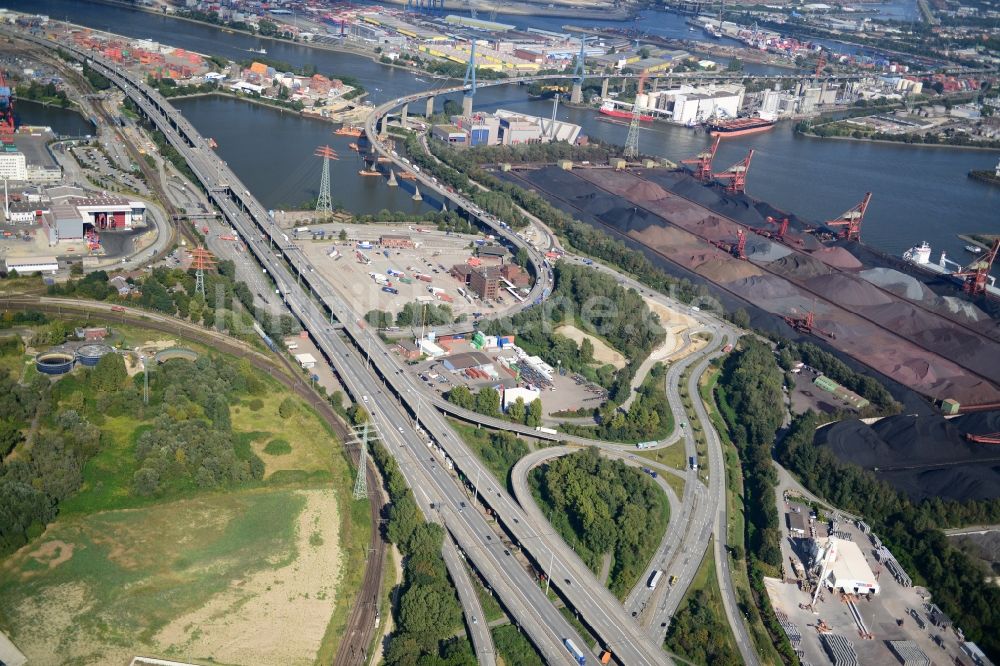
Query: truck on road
column 575, row 651
column 654, row 579
column 550, row 431
column 390, row 290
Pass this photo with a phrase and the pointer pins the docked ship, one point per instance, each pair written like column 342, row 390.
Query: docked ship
column 712, row 31
column 348, row 130
column 920, row 256
column 609, row 109
column 739, row 126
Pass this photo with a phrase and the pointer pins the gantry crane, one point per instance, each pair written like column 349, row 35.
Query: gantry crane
column 703, row 162
column 977, row 273
column 737, row 175
column 778, row 235
column 737, row 249
column 851, row 220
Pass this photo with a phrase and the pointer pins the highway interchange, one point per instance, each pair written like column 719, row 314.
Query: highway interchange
column 408, row 420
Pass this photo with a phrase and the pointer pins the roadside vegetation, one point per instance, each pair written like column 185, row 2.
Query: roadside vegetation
column 412, row 314
column 748, row 395
column 486, row 401
column 227, row 303
column 604, row 508
column 499, row 450
column 699, row 630
column 911, row 531
column 428, row 614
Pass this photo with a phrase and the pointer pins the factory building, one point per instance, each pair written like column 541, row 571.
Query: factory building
column 25, row 212
column 396, row 241
column 13, row 164
column 528, row 395
column 485, row 281
column 450, row 134
column 111, row 212
column 468, row 360
column 689, row 105
column 24, row 265
column 847, row 570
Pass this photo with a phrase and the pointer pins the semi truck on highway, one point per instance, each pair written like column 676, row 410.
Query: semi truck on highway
column 575, row 651
column 551, row 431
column 654, row 579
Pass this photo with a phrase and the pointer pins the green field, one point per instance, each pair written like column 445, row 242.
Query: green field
column 188, row 572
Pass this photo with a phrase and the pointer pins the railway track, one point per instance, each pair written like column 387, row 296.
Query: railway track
column 360, row 626
column 966, row 365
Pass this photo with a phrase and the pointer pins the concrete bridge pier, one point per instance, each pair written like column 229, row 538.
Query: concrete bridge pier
column 656, row 84
column 576, row 95
column 604, row 88
column 403, row 113
column 430, row 106
column 467, row 106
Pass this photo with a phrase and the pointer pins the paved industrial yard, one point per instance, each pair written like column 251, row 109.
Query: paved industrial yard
column 436, row 254
column 880, row 615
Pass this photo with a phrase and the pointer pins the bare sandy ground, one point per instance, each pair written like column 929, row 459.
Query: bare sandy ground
column 602, row 352
column 276, row 616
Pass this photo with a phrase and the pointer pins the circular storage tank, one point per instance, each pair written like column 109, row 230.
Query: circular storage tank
column 89, row 355
column 54, row 362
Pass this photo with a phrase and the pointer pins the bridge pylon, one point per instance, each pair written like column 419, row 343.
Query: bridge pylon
column 470, row 81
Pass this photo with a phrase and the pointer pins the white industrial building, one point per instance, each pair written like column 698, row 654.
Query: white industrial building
column 518, row 128
column 528, row 395
column 13, row 165
column 845, row 567
column 307, row 361
column 690, row 105
column 25, row 265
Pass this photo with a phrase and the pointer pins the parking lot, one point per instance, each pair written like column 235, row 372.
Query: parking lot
column 433, row 259
column 105, row 173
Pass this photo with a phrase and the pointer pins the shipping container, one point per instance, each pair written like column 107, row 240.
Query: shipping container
column 575, row 651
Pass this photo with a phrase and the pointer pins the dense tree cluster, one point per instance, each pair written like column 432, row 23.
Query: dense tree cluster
column 514, row 646
column 912, row 532
column 748, row 395
column 604, row 506
column 536, row 152
column 34, row 483
column 428, row 614
column 698, row 633
column 47, row 93
column 96, row 79
column 424, row 314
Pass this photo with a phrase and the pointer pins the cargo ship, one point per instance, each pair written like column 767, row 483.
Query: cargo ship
column 609, row 109
column 739, row 126
column 920, row 256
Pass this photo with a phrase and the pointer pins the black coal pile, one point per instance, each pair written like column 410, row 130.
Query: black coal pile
column 923, row 456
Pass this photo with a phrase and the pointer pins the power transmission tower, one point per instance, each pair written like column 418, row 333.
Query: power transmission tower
column 632, row 141
column 201, row 260
column 324, row 203
column 361, row 481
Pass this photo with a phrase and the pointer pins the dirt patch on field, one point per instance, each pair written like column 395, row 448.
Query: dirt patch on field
column 52, row 553
column 240, row 625
column 602, row 352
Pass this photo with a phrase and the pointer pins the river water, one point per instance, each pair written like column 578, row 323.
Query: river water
column 65, row 122
column 919, row 193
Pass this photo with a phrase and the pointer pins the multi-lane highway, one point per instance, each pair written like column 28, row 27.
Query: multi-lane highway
column 520, row 593
column 407, row 421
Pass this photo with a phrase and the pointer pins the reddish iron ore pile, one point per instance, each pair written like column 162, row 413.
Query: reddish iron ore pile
column 932, row 345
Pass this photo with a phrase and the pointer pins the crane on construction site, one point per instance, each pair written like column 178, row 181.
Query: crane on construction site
column 851, row 220
column 737, row 175
column 978, row 272
column 703, row 162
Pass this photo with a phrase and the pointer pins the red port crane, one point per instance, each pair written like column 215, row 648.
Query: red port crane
column 820, row 64
column 977, row 273
column 806, row 324
column 737, row 249
column 703, row 162
column 782, row 229
column 737, row 175
column 851, row 220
